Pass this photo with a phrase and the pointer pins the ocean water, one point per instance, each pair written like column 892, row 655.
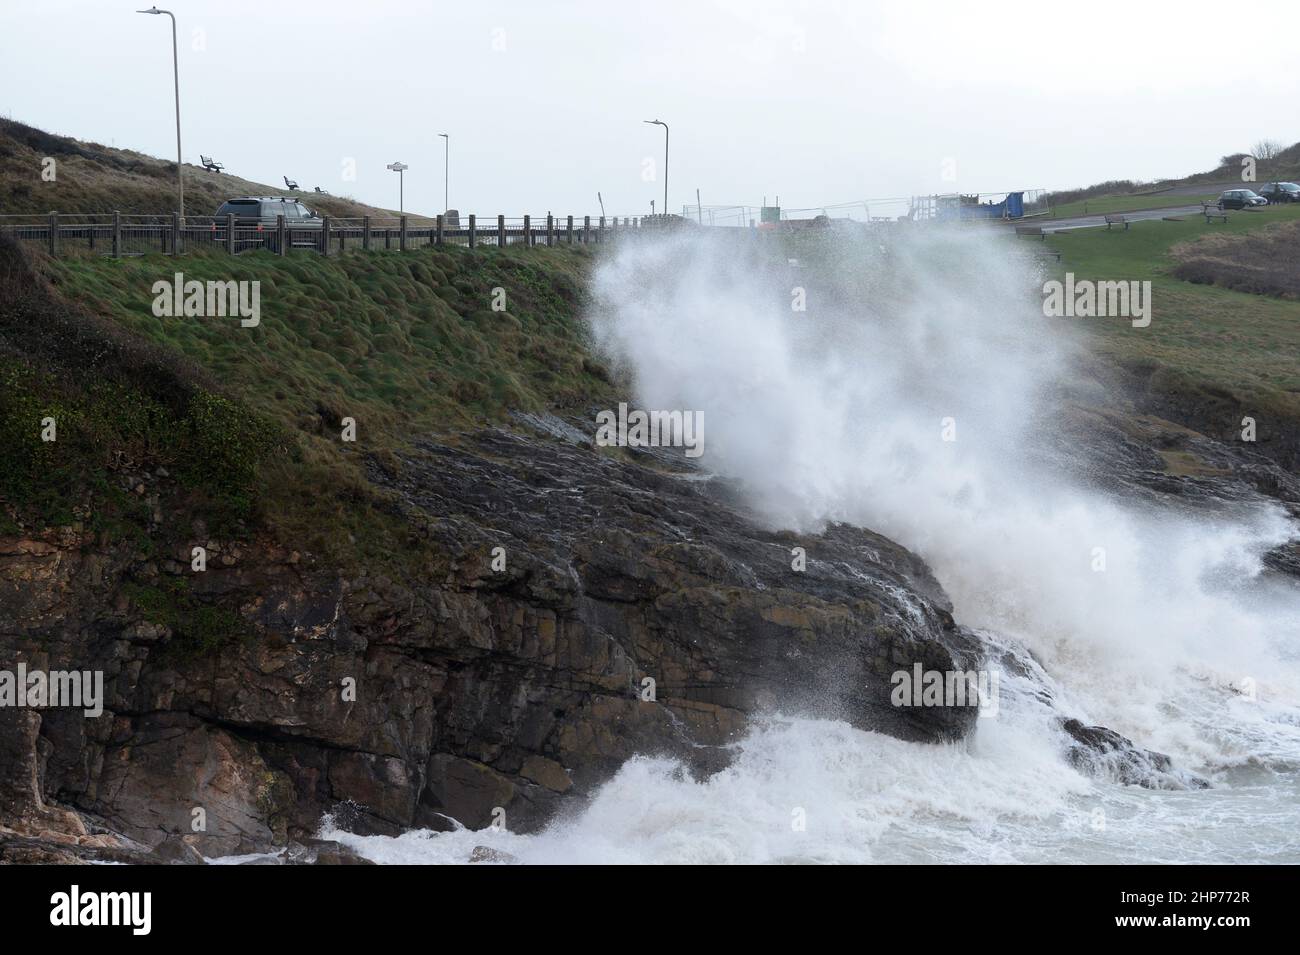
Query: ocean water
column 1003, row 796
column 919, row 394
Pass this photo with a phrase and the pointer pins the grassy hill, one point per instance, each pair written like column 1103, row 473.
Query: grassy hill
column 1127, row 195
column 92, row 178
column 250, row 418
column 245, row 422
column 1216, row 351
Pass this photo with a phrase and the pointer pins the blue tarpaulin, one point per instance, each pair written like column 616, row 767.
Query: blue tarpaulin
column 1012, row 207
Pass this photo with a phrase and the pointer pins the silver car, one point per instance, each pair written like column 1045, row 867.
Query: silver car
column 257, row 218
column 265, row 209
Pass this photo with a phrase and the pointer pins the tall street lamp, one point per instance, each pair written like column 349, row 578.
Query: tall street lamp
column 658, row 122
column 176, row 76
column 446, row 171
column 399, row 168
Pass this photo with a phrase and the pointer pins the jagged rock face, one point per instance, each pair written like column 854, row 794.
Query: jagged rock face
column 395, row 704
column 1103, row 752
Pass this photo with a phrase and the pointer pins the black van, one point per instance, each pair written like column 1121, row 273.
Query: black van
column 1280, row 192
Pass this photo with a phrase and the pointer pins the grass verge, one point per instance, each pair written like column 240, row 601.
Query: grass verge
column 1205, row 345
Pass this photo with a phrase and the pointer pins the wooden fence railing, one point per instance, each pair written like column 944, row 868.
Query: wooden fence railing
column 117, row 234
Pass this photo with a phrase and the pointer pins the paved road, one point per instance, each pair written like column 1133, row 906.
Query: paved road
column 1091, row 221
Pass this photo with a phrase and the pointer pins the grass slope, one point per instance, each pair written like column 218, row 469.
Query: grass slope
column 1203, row 340
column 250, row 418
column 115, row 404
column 91, row 178
column 1283, row 167
column 401, row 342
column 245, row 424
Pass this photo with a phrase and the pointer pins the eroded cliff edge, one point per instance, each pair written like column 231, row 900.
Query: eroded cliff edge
column 519, row 689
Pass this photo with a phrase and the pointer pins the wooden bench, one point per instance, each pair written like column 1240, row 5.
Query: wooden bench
column 1116, row 220
column 1211, row 211
column 290, row 184
column 1050, row 254
column 211, row 165
column 1035, row 231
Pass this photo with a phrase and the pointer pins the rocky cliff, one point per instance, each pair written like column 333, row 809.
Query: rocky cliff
column 565, row 607
column 511, row 680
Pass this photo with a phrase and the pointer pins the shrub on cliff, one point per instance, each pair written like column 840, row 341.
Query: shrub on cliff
column 82, row 400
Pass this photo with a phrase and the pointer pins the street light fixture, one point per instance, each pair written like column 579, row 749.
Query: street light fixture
column 446, row 171
column 176, row 76
column 659, row 122
column 399, row 168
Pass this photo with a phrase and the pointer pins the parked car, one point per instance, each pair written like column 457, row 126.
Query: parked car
column 1241, row 199
column 257, row 219
column 1280, row 192
column 265, row 209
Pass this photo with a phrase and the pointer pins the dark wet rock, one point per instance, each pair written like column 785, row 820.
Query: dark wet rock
column 479, row 693
column 1099, row 751
column 178, row 850
column 495, row 856
column 1145, row 458
column 321, row 852
column 1285, row 559
column 49, row 847
column 640, row 610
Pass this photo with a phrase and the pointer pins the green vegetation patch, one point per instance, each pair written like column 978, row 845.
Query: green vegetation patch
column 1212, row 344
column 198, row 629
column 400, row 342
column 84, row 408
column 250, row 420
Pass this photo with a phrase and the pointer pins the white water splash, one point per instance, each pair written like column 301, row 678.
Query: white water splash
column 837, row 414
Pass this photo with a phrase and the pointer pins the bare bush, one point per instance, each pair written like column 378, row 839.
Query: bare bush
column 1266, row 149
column 1261, row 262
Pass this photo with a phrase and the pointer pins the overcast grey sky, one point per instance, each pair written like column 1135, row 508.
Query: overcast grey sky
column 819, row 102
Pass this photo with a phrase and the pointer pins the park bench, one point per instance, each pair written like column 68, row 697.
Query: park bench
column 1036, row 231
column 211, row 165
column 1212, row 211
column 1116, row 220
column 290, row 184
column 1051, row 254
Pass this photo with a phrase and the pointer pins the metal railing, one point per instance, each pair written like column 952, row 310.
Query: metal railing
column 116, row 234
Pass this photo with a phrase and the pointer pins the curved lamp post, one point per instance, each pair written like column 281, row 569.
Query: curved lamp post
column 176, row 76
column 446, row 171
column 659, row 122
column 399, row 168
